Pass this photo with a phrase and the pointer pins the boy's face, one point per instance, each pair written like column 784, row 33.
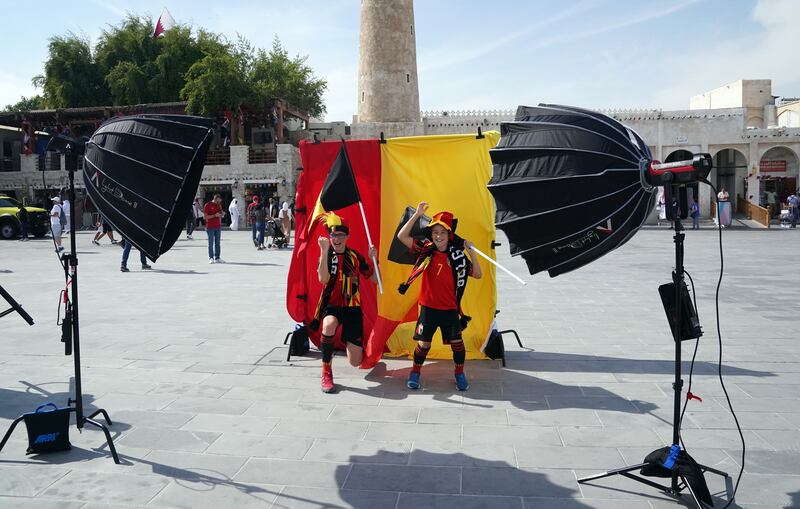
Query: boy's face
column 338, row 241
column 440, row 237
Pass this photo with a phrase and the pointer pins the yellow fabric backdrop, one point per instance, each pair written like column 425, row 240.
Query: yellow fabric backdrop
column 450, row 173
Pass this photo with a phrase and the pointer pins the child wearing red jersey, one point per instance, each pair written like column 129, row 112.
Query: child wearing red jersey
column 444, row 267
column 340, row 301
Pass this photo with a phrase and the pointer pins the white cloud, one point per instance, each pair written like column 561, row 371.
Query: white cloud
column 769, row 53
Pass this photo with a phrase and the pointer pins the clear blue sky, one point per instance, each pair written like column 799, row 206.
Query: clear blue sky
column 478, row 55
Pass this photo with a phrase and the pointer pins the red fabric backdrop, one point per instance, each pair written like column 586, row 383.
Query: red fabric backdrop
column 303, row 287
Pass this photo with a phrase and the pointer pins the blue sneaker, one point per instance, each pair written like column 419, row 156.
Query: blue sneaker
column 461, row 382
column 413, row 381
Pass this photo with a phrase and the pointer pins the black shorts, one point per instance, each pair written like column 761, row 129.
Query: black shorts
column 106, row 228
column 350, row 318
column 430, row 319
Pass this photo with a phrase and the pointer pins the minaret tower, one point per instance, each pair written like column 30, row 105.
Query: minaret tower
column 388, row 90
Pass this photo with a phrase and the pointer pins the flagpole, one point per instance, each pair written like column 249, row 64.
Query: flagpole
column 497, row 265
column 369, row 241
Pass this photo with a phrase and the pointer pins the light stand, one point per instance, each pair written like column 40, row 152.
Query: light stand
column 71, row 328
column 677, row 317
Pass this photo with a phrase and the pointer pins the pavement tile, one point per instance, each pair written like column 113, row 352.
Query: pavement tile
column 416, row 501
column 167, row 439
column 463, row 416
column 519, row 482
column 28, row 480
column 383, row 432
column 468, row 455
column 97, row 486
column 261, row 446
column 231, row 423
column 313, row 474
column 196, row 495
column 383, row 414
column 314, row 429
column 531, row 456
column 316, row 498
column 189, row 466
column 209, row 405
column 415, row 479
column 357, row 451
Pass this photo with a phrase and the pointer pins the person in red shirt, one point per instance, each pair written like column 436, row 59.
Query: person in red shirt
column 444, row 260
column 213, row 214
column 340, row 301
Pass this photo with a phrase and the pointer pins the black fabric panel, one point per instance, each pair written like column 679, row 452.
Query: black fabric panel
column 567, row 187
column 142, row 173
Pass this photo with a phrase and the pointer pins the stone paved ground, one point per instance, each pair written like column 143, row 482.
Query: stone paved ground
column 188, row 359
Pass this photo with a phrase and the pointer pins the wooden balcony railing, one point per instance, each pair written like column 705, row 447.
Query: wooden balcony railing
column 255, row 156
column 219, row 156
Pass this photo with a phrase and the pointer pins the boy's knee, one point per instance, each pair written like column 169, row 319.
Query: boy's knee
column 425, row 345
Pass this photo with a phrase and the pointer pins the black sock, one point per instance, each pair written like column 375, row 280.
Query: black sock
column 459, row 355
column 419, row 358
column 326, row 345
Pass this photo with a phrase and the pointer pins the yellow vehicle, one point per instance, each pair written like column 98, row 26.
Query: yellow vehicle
column 10, row 227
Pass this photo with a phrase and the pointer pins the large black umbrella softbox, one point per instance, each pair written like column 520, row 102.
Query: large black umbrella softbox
column 142, row 173
column 568, row 185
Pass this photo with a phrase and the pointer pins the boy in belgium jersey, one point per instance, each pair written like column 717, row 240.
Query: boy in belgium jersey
column 444, row 266
column 340, row 301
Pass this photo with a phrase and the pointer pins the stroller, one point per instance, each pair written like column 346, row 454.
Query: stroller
column 275, row 232
column 786, row 218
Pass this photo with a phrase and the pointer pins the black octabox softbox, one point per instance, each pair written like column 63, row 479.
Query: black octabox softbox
column 142, row 173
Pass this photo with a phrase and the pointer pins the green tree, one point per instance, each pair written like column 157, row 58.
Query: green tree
column 129, row 66
column 71, row 76
column 214, row 83
column 35, row 102
column 275, row 75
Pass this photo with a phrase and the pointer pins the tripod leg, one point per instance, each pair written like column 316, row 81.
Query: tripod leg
column 609, row 473
column 713, row 470
column 109, row 440
column 105, row 416
column 699, row 504
column 10, row 430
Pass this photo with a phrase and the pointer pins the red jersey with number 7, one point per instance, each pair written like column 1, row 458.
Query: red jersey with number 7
column 438, row 287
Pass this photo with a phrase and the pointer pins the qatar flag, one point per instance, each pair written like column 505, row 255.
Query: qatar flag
column 164, row 23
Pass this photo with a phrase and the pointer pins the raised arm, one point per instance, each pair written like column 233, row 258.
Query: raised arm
column 322, row 267
column 404, row 235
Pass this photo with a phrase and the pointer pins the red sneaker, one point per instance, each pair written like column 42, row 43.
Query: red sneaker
column 327, row 379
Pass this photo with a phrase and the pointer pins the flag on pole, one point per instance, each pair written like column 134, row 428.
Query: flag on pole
column 339, row 190
column 164, row 23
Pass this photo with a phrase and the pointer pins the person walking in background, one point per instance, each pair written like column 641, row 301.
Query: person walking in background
column 126, row 251
column 794, row 208
column 67, row 212
column 55, row 222
column 272, row 208
column 285, row 216
column 251, row 209
column 103, row 228
column 198, row 213
column 694, row 212
column 259, row 216
column 213, row 214
column 191, row 219
column 22, row 215
column 233, row 210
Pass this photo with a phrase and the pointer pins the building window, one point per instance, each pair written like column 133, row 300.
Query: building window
column 408, row 78
column 362, row 97
column 412, row 29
